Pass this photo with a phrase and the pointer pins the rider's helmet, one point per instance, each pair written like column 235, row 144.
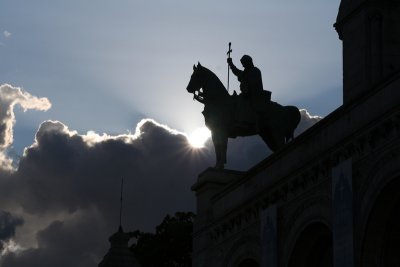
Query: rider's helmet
column 247, row 61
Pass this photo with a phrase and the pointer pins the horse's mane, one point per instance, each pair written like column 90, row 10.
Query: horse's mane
column 216, row 80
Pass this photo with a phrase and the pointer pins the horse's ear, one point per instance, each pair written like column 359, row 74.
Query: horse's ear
column 198, row 64
column 194, row 67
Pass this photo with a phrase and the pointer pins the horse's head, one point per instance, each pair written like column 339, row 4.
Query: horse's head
column 204, row 85
column 197, row 79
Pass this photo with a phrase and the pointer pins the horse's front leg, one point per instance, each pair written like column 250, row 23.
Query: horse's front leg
column 217, row 149
column 220, row 140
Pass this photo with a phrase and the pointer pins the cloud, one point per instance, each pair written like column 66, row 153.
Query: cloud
column 307, row 120
column 11, row 96
column 74, row 172
column 6, row 163
column 8, row 225
column 69, row 243
column 7, row 34
column 79, row 175
column 66, row 187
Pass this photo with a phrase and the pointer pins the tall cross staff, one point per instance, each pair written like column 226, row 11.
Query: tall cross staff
column 229, row 56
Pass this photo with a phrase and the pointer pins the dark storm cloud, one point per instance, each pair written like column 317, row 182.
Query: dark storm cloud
column 64, row 172
column 8, row 224
column 73, row 180
column 67, row 171
column 72, row 243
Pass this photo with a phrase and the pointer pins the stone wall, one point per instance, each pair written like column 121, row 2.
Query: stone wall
column 330, row 197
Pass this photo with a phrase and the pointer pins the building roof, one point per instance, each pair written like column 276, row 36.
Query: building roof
column 119, row 254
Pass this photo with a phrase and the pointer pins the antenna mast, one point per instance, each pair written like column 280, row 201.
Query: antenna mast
column 120, row 204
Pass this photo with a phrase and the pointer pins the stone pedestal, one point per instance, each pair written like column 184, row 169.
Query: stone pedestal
column 209, row 183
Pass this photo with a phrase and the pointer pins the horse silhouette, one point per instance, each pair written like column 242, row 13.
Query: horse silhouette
column 275, row 125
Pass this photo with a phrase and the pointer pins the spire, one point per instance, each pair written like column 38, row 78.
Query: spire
column 119, row 254
column 120, row 204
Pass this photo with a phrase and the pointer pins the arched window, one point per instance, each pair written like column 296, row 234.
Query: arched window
column 382, row 235
column 313, row 247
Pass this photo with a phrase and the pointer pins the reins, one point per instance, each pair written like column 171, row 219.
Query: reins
column 198, row 94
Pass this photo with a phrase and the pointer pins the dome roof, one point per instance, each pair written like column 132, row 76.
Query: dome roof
column 119, row 254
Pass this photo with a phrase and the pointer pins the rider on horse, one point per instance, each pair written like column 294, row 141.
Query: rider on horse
column 251, row 86
column 275, row 125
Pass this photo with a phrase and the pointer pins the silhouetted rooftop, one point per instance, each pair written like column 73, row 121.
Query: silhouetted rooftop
column 119, row 254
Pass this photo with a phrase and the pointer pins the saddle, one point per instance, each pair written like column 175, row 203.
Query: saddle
column 247, row 110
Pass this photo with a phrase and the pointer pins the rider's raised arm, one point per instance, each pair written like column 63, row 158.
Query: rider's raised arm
column 235, row 70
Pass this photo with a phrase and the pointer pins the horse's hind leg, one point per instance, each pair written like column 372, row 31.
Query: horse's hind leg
column 293, row 118
column 289, row 137
column 273, row 141
column 224, row 147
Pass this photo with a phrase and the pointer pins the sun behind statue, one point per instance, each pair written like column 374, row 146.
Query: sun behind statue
column 199, row 137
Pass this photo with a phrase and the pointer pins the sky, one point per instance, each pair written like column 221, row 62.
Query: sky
column 92, row 91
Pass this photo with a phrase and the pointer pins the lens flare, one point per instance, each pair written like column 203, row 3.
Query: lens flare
column 198, row 137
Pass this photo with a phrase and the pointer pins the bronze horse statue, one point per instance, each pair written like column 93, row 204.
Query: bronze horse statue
column 275, row 125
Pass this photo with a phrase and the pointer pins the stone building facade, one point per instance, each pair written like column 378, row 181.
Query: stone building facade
column 331, row 197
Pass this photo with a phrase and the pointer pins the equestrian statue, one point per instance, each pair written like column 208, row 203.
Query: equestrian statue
column 249, row 113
